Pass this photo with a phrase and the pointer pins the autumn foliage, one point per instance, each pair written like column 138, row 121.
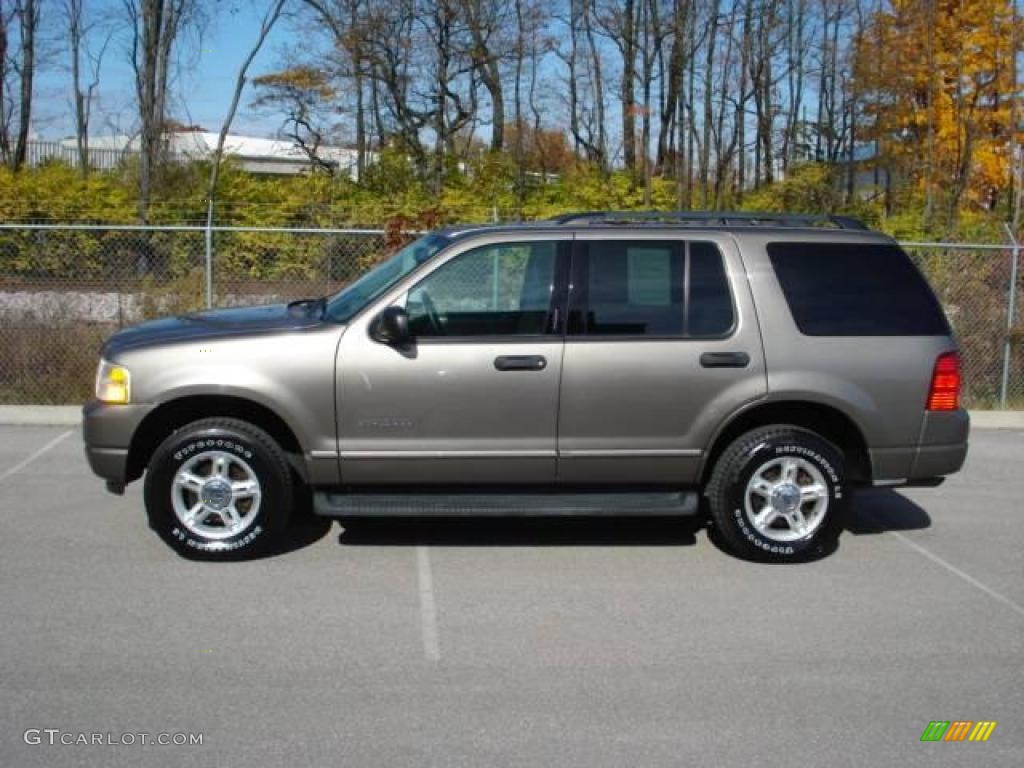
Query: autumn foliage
column 937, row 82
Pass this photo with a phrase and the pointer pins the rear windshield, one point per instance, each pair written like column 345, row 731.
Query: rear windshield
column 856, row 289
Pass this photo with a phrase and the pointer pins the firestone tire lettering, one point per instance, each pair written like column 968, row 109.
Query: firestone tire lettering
column 246, row 441
column 733, row 470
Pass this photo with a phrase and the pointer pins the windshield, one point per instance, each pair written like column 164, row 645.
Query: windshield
column 353, row 297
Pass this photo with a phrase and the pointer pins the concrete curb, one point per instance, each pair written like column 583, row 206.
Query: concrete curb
column 41, row 415
column 997, row 419
column 71, row 415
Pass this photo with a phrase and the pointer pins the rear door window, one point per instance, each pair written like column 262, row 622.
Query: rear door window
column 855, row 289
column 649, row 288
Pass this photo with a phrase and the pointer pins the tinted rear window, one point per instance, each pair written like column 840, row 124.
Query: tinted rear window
column 855, row 289
column 645, row 288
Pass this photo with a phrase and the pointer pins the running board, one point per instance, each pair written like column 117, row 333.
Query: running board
column 333, row 504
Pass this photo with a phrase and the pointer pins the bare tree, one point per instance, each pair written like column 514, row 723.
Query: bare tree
column 618, row 21
column 673, row 80
column 652, row 38
column 762, row 82
column 351, row 26
column 485, row 21
column 712, row 94
column 393, row 47
column 303, row 94
column 519, row 149
column 711, row 39
column 6, row 106
column 742, row 97
column 584, row 83
column 270, row 18
column 597, row 83
column 795, row 54
column 85, row 72
column 17, row 76
column 155, row 27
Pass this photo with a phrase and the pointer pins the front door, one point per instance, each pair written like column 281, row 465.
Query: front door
column 662, row 345
column 474, row 398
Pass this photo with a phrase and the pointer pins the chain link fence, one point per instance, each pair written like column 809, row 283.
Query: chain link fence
column 973, row 283
column 64, row 289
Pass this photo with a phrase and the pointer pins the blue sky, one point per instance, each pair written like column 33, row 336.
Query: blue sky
column 206, row 76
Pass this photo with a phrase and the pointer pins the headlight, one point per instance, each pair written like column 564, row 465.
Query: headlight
column 113, row 383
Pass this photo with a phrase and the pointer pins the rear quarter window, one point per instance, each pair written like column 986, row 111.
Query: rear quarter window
column 855, row 289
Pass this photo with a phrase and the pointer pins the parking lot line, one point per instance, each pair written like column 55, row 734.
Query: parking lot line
column 956, row 571
column 428, row 606
column 26, row 461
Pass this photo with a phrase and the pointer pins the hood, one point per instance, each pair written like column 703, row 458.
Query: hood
column 214, row 324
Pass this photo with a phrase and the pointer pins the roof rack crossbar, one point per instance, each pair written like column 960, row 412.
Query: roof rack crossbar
column 711, row 218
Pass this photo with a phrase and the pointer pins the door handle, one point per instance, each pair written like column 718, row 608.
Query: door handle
column 520, row 363
column 725, row 360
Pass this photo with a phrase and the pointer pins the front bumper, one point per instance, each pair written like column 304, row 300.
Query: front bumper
column 107, row 431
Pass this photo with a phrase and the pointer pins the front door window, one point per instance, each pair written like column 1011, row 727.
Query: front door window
column 503, row 289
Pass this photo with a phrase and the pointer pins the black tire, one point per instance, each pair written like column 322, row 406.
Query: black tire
column 731, row 515
column 255, row 450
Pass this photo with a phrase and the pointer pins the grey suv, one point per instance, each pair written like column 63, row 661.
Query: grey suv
column 599, row 363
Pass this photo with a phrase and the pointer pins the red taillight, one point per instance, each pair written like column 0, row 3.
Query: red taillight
column 944, row 394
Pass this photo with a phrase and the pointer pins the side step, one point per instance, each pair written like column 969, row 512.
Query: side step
column 447, row 504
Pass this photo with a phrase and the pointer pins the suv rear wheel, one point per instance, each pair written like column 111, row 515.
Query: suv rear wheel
column 218, row 488
column 778, row 493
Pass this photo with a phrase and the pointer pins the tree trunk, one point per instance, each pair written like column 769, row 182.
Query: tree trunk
column 75, row 33
column 674, row 81
column 574, row 117
column 691, row 126
column 519, row 158
column 628, row 87
column 1016, row 160
column 29, row 17
column 929, row 177
column 156, row 24
column 709, row 115
column 741, row 101
column 595, row 58
column 269, row 20
column 5, row 137
column 487, row 63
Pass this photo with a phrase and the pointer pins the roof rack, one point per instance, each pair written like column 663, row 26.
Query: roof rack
column 710, row 219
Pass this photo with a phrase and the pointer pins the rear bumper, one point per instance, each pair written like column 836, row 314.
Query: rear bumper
column 943, row 445
column 932, row 460
column 941, row 451
column 107, row 431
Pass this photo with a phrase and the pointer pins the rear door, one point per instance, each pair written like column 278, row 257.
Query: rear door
column 662, row 344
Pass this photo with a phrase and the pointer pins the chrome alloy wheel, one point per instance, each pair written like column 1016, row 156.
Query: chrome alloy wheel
column 216, row 495
column 786, row 499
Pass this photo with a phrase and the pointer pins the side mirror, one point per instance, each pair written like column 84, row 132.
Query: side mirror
column 391, row 326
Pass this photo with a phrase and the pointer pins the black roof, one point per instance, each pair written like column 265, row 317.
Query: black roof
column 710, row 219
column 672, row 220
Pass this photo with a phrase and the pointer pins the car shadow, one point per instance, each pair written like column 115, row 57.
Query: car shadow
column 871, row 511
column 520, row 531
column 304, row 529
column 877, row 510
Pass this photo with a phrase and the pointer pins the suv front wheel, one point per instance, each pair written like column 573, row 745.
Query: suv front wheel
column 778, row 493
column 218, row 488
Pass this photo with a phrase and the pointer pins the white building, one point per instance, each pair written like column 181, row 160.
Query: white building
column 253, row 154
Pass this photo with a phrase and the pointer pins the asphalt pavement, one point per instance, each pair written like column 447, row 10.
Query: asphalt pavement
column 556, row 642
